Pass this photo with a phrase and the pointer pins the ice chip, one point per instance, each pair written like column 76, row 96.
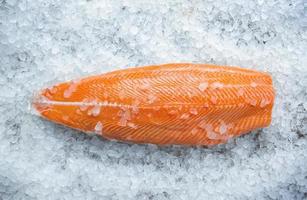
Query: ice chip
column 223, row 128
column 132, row 125
column 217, row 85
column 96, row 110
column 185, row 116
column 253, row 84
column 72, row 88
column 203, row 86
column 193, row 111
column 98, row 127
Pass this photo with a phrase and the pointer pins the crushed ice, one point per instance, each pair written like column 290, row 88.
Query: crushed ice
column 46, row 42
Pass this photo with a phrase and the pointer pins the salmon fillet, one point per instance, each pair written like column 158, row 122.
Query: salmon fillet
column 187, row 104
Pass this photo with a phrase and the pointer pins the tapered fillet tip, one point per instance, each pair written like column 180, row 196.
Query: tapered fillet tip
column 39, row 103
column 48, row 97
column 45, row 107
column 53, row 103
column 46, row 100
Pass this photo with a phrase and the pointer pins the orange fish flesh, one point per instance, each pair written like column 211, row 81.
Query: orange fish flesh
column 186, row 104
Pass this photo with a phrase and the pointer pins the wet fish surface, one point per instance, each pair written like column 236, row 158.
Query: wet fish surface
column 180, row 103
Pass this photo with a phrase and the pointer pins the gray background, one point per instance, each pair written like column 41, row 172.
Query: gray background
column 47, row 41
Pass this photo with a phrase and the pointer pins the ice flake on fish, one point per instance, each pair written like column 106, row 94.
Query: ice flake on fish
column 125, row 116
column 132, row 125
column 122, row 122
column 212, row 135
column 223, row 128
column 203, row 125
column 206, row 105
column 71, row 89
column 84, row 106
column 145, row 86
column 193, row 111
column 252, row 102
column 65, row 117
column 264, row 102
column 78, row 111
column 98, row 127
column 173, row 112
column 194, row 131
column 96, row 110
column 217, row 85
column 253, row 84
column 53, row 89
column 203, row 86
column 151, row 98
column 135, row 106
column 185, row 116
column 240, row 92
column 209, row 130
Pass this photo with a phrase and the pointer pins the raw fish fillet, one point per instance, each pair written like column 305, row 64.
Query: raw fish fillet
column 186, row 104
